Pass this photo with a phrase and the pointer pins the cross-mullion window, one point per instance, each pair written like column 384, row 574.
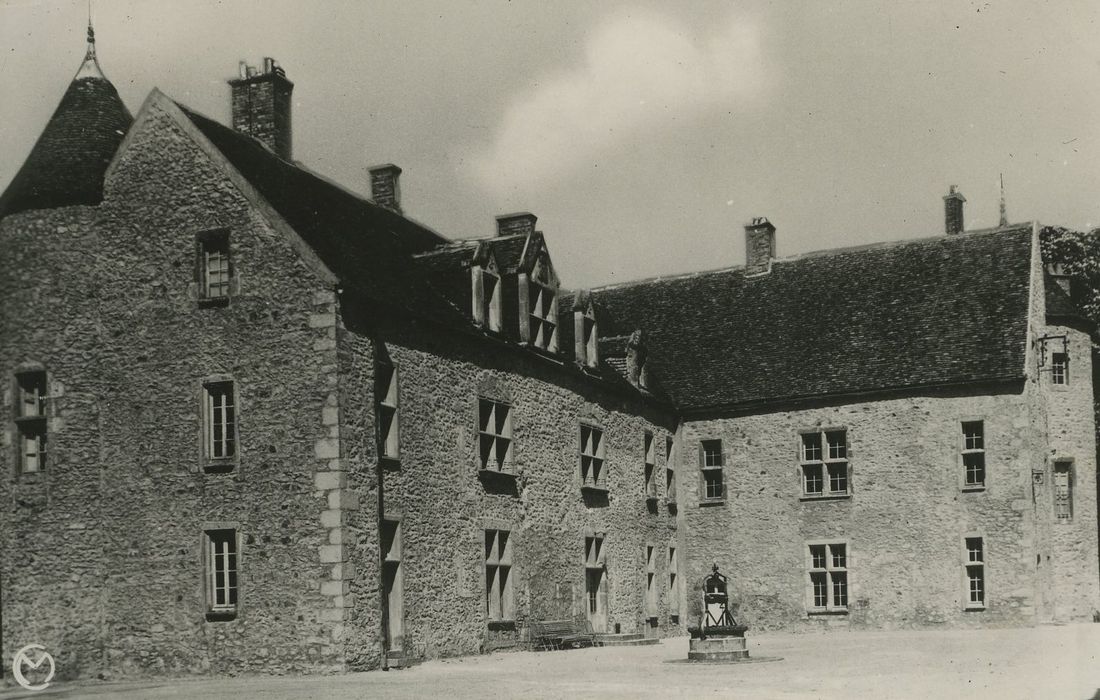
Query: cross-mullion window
column 829, row 576
column 973, row 453
column 498, row 575
column 975, row 572
column 494, row 435
column 824, row 463
column 592, row 458
column 543, row 316
column 221, row 571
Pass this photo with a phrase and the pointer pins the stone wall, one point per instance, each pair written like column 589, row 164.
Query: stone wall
column 444, row 506
column 905, row 519
column 1068, row 547
column 101, row 556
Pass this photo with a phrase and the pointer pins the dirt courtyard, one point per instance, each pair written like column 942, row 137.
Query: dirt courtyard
column 1043, row 662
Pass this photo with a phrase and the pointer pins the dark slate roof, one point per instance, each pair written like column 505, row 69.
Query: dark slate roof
column 367, row 246
column 920, row 313
column 67, row 163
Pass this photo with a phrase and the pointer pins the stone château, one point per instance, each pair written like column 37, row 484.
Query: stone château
column 258, row 423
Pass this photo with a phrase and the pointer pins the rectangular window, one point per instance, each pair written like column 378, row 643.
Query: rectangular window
column 221, row 568
column 973, row 453
column 975, row 572
column 824, row 463
column 494, row 435
column 389, row 431
column 670, row 470
column 712, row 463
column 673, row 583
column 651, row 583
column 30, row 420
column 498, row 575
column 828, row 577
column 1063, row 491
column 214, row 265
column 1059, row 368
column 543, row 316
column 650, row 465
column 590, row 337
column 592, row 458
column 220, row 421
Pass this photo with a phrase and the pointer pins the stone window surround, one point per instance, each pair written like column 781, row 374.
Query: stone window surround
column 486, row 297
column 30, row 426
column 824, row 461
column 652, row 594
column 1059, row 370
column 1065, row 465
column 670, row 470
column 673, row 570
column 231, row 611
column 968, row 564
column 829, row 570
column 586, row 337
column 209, row 463
column 502, row 564
column 205, row 241
column 500, row 433
column 595, row 476
column 708, row 466
column 649, row 464
column 388, row 411
column 962, row 450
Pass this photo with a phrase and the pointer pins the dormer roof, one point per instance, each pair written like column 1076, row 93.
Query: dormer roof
column 67, row 163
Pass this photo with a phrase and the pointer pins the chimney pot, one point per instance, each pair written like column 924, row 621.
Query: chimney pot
column 759, row 246
column 520, row 222
column 385, row 186
column 953, row 211
column 261, row 105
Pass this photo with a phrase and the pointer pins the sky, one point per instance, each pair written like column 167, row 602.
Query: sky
column 643, row 134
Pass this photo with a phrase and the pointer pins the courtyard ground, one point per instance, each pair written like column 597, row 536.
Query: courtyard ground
column 1044, row 662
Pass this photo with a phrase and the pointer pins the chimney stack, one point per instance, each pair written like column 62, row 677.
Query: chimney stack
column 953, row 211
column 759, row 246
column 385, row 186
column 261, row 105
column 520, row 222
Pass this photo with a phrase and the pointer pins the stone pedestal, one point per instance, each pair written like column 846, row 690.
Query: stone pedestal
column 718, row 649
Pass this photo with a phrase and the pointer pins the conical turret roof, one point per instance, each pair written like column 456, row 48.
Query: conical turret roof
column 67, row 164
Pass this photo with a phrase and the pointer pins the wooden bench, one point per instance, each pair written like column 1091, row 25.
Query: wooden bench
column 562, row 634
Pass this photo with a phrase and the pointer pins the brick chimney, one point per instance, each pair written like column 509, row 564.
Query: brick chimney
column 385, row 186
column 759, row 246
column 261, row 105
column 520, row 222
column 953, row 211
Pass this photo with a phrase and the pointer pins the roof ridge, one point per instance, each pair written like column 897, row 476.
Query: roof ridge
column 820, row 253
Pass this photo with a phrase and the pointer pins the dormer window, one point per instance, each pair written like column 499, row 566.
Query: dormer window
column 543, row 303
column 587, row 337
column 486, row 296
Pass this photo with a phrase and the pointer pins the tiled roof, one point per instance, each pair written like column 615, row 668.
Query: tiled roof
column 367, row 246
column 930, row 312
column 67, row 163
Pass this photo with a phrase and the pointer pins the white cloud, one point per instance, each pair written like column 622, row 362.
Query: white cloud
column 639, row 75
